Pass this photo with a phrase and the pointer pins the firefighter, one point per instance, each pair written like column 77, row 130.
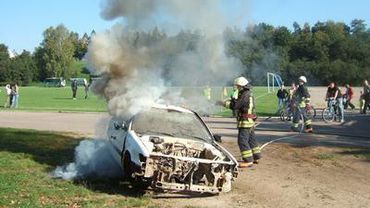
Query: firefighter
column 244, row 106
column 302, row 98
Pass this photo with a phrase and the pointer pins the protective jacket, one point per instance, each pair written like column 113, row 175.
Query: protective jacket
column 244, row 105
column 302, row 96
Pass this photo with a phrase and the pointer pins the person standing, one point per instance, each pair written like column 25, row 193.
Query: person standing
column 302, row 97
column 366, row 96
column 15, row 95
column 74, row 88
column 244, row 106
column 334, row 93
column 86, row 85
column 349, row 96
column 207, row 92
column 8, row 92
column 292, row 89
column 282, row 95
column 233, row 97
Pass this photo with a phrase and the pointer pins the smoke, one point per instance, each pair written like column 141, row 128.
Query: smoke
column 161, row 44
column 93, row 158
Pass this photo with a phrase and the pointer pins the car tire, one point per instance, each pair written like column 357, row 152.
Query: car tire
column 129, row 173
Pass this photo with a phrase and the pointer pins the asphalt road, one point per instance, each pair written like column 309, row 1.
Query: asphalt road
column 354, row 132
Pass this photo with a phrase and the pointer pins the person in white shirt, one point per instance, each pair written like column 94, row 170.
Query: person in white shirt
column 8, row 92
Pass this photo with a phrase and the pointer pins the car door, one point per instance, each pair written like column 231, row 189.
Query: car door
column 117, row 132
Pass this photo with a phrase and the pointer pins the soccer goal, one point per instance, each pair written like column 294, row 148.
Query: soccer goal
column 273, row 80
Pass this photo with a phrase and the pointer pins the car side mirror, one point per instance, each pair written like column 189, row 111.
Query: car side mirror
column 116, row 125
column 217, row 138
column 124, row 126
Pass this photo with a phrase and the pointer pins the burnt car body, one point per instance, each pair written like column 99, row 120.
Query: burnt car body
column 171, row 148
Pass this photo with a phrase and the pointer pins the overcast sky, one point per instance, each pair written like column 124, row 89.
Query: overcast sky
column 23, row 21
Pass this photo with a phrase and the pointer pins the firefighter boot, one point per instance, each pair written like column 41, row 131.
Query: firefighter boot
column 244, row 164
column 308, row 129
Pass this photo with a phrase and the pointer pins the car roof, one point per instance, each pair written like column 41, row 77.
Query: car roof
column 173, row 108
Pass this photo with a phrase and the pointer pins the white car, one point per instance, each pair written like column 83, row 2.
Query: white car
column 171, row 148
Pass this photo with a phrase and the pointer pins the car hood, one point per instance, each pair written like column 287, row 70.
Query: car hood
column 184, row 148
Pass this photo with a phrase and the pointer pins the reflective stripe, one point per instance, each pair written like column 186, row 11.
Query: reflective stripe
column 250, row 110
column 308, row 122
column 256, row 150
column 247, row 153
column 246, row 123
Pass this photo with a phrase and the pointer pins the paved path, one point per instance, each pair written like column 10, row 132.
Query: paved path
column 82, row 123
column 355, row 132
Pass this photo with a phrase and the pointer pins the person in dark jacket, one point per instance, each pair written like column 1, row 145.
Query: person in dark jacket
column 333, row 92
column 74, row 88
column 244, row 106
column 282, row 95
column 348, row 97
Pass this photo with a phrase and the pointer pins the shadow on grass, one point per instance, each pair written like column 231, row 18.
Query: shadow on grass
column 54, row 149
column 44, row 147
column 111, row 187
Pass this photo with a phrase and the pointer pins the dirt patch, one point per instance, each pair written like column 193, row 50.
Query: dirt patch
column 293, row 177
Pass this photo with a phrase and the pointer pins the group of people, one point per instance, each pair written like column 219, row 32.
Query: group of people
column 74, row 87
column 343, row 99
column 12, row 96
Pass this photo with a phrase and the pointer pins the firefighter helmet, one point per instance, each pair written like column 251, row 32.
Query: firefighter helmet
column 241, row 81
column 303, row 79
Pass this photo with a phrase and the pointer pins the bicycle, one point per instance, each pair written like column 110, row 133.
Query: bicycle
column 286, row 112
column 331, row 112
column 310, row 111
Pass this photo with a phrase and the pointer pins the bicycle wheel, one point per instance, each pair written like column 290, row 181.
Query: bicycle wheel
column 301, row 122
column 314, row 112
column 328, row 115
column 311, row 112
column 282, row 115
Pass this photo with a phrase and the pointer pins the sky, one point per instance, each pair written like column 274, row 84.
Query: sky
column 22, row 22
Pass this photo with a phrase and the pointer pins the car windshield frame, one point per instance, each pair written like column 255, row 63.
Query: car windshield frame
column 167, row 122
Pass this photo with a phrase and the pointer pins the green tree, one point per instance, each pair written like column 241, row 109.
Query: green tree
column 56, row 52
column 4, row 62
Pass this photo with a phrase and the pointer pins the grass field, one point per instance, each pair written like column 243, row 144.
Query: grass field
column 60, row 99
column 26, row 160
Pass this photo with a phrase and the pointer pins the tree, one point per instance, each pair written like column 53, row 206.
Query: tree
column 4, row 61
column 358, row 26
column 56, row 53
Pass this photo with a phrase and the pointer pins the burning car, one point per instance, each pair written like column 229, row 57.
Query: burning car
column 171, row 148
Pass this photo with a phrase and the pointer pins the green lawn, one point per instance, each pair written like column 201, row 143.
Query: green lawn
column 57, row 99
column 26, row 160
column 60, row 99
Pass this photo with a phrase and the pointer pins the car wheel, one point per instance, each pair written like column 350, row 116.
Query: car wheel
column 129, row 172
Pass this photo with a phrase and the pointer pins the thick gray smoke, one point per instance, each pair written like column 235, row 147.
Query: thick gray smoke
column 93, row 158
column 138, row 61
